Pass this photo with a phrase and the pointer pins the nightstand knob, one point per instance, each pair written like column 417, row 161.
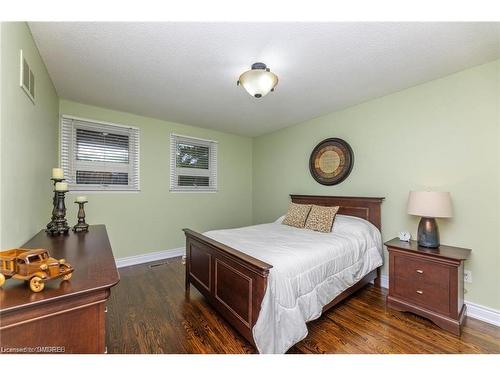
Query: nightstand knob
column 420, row 292
column 420, row 271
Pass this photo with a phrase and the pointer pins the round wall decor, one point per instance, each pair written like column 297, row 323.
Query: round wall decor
column 331, row 161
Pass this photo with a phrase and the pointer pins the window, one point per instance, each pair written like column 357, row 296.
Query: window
column 32, row 259
column 193, row 164
column 99, row 156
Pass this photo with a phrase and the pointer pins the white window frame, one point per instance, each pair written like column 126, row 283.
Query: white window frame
column 211, row 172
column 70, row 165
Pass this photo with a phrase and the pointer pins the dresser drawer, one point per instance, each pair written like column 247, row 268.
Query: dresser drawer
column 421, row 270
column 422, row 282
column 430, row 296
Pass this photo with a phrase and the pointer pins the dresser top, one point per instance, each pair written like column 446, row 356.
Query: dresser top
column 443, row 251
column 88, row 252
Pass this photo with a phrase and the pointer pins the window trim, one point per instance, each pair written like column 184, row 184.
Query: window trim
column 174, row 188
column 111, row 188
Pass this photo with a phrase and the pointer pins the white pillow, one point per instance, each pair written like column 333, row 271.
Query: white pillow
column 280, row 219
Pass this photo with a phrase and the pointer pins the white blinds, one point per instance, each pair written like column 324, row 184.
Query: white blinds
column 99, row 156
column 193, row 164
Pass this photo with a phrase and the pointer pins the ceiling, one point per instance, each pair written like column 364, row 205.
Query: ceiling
column 187, row 72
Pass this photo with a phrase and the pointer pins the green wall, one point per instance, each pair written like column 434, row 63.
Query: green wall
column 28, row 142
column 152, row 219
column 442, row 135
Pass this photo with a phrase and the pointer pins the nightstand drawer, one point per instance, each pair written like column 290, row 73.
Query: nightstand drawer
column 420, row 270
column 430, row 296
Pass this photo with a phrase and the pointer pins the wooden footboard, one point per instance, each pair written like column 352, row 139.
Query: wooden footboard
column 232, row 281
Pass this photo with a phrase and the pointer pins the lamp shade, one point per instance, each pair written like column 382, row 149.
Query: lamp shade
column 429, row 204
column 258, row 81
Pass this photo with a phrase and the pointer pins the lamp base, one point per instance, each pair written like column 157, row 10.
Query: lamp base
column 428, row 233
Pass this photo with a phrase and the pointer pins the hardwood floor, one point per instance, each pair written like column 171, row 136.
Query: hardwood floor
column 148, row 313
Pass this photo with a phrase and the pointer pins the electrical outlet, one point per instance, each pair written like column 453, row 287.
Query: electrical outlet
column 468, row 276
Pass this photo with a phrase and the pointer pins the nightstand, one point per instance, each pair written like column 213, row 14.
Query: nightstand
column 428, row 282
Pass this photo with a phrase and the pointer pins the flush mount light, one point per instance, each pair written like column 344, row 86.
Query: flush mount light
column 259, row 80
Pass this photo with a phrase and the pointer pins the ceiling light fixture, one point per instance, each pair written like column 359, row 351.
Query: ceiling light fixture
column 258, row 81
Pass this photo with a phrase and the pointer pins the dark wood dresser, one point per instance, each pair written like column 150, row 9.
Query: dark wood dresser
column 428, row 282
column 67, row 316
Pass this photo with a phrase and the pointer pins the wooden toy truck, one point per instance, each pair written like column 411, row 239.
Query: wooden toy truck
column 34, row 266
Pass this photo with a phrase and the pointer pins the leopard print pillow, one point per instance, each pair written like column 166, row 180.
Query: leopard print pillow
column 297, row 215
column 321, row 218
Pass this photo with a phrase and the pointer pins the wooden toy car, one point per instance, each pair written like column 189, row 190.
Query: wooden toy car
column 35, row 266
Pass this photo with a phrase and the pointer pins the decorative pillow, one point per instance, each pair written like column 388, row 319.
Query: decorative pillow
column 297, row 215
column 321, row 218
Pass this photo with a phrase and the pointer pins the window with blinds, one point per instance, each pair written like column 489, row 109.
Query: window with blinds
column 193, row 164
column 99, row 156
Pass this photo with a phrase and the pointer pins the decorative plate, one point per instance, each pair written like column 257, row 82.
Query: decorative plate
column 331, row 161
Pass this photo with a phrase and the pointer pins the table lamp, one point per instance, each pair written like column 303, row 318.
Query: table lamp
column 429, row 205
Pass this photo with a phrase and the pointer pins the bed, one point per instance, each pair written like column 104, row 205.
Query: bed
column 268, row 280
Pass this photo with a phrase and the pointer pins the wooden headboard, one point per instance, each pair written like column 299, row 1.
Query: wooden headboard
column 367, row 208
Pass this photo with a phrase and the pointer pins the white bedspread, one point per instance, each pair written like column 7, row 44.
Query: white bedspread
column 309, row 270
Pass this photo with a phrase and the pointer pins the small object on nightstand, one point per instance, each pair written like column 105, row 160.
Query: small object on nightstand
column 429, row 205
column 81, row 226
column 428, row 282
column 404, row 236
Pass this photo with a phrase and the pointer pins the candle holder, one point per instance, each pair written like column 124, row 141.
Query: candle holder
column 54, row 202
column 60, row 225
column 81, row 226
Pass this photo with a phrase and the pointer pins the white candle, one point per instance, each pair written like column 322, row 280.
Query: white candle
column 61, row 186
column 81, row 199
column 57, row 173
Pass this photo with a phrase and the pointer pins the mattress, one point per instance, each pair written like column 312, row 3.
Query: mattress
column 309, row 270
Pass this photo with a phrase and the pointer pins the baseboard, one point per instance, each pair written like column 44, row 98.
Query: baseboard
column 149, row 257
column 384, row 281
column 483, row 313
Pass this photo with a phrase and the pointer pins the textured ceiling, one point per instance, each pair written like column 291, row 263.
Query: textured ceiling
column 187, row 72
